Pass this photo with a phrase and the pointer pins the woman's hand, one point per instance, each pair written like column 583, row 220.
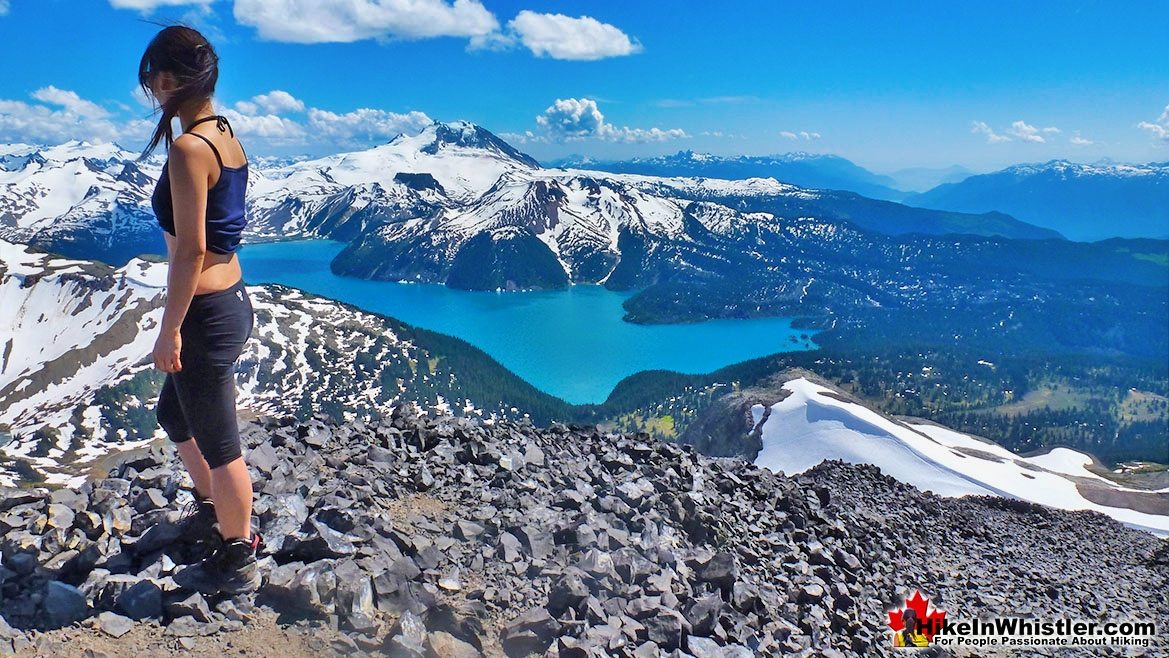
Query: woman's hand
column 166, row 351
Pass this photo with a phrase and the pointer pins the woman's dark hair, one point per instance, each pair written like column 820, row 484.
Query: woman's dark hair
column 190, row 58
column 911, row 620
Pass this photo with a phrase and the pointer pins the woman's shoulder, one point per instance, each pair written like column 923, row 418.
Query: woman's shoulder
column 185, row 153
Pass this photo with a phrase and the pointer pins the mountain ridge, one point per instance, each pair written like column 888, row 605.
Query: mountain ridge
column 1085, row 201
column 100, row 192
column 811, row 170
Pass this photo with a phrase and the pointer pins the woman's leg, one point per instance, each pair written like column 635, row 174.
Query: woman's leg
column 208, row 390
column 196, row 466
column 231, row 489
column 172, row 419
column 220, row 324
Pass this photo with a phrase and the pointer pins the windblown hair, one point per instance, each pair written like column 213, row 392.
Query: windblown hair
column 189, row 57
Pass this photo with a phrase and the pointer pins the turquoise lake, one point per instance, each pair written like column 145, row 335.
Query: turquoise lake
column 570, row 343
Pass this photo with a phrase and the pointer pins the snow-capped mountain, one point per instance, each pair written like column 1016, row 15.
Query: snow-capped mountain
column 88, row 200
column 76, row 379
column 538, row 230
column 813, row 170
column 443, row 165
column 79, row 199
column 813, row 423
column 1082, row 201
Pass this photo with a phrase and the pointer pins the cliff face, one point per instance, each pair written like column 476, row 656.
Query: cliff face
column 450, row 536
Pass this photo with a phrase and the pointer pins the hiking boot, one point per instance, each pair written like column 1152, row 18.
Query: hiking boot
column 230, row 569
column 197, row 519
column 195, row 535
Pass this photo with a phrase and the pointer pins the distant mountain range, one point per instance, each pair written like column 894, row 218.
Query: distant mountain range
column 812, row 170
column 457, row 205
column 1081, row 201
column 93, row 200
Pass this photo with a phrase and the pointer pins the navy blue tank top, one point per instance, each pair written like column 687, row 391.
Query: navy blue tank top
column 225, row 199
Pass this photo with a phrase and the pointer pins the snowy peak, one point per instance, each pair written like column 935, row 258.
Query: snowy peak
column 1068, row 169
column 440, row 136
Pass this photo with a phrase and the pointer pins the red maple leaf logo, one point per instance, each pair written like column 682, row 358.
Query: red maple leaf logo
column 929, row 618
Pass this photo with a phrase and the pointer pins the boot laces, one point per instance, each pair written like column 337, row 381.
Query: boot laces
column 192, row 511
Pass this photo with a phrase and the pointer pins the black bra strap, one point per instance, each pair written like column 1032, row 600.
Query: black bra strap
column 220, row 122
column 215, row 150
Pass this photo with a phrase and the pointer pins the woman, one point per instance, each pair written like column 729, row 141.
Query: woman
column 911, row 635
column 199, row 201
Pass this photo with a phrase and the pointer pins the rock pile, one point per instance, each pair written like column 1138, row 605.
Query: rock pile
column 417, row 536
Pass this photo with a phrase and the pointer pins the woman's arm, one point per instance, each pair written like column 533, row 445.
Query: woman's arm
column 188, row 183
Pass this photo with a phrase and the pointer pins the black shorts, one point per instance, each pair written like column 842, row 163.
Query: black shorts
column 199, row 401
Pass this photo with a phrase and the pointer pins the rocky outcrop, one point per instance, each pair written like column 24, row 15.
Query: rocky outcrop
column 417, row 536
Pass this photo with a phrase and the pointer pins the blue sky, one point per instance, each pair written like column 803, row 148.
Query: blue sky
column 887, row 85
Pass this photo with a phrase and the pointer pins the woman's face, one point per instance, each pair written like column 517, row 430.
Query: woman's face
column 161, row 84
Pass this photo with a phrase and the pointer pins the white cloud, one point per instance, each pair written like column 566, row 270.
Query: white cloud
column 56, row 115
column 1026, row 132
column 1078, row 140
column 274, row 129
column 70, row 101
column 572, row 119
column 803, row 134
column 312, row 21
column 260, row 116
column 1052, row 129
column 991, row 136
column 1160, row 128
column 364, row 124
column 642, row 134
column 3, row 7
column 63, row 115
column 564, row 37
column 526, row 137
column 276, row 101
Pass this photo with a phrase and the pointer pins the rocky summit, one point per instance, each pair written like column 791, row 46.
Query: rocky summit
column 417, row 536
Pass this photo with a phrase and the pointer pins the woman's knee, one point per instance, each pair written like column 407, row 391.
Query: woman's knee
column 220, row 449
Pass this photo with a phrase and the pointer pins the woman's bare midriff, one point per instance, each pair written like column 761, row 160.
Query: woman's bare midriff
column 220, row 271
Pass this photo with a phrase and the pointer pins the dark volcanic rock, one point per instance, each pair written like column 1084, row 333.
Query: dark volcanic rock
column 464, row 538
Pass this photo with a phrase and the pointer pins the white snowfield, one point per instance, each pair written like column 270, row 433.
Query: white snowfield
column 809, row 426
column 41, row 186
